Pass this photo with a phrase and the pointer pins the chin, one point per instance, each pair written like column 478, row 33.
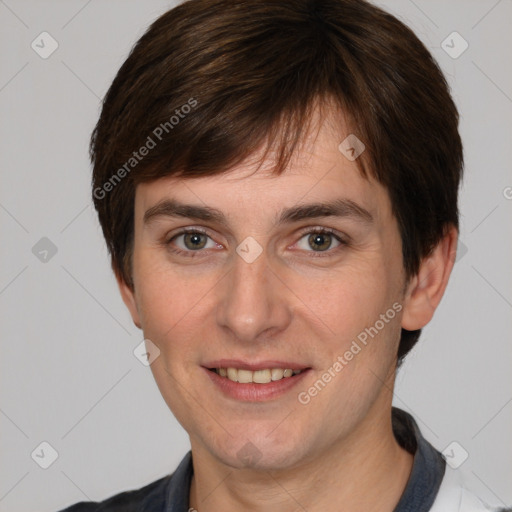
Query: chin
column 259, row 452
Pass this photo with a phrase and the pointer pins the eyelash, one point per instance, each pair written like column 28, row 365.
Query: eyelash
column 315, row 254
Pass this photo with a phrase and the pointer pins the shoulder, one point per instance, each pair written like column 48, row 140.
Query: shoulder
column 454, row 496
column 148, row 498
column 170, row 490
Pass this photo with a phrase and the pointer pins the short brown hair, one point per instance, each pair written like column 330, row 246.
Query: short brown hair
column 249, row 73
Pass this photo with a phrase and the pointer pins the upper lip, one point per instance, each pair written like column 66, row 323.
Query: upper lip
column 254, row 366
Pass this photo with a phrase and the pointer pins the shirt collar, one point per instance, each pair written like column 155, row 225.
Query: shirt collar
column 427, row 469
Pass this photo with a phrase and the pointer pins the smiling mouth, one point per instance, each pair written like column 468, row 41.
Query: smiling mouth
column 257, row 377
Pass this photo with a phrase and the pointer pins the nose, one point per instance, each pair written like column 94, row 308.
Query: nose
column 252, row 300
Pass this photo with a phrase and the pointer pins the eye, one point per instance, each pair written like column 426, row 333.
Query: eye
column 188, row 241
column 320, row 240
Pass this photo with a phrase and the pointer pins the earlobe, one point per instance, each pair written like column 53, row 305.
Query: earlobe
column 128, row 296
column 426, row 289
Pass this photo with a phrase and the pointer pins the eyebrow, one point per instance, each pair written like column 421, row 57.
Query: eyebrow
column 336, row 208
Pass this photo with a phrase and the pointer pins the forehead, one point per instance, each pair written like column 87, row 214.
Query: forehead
column 320, row 170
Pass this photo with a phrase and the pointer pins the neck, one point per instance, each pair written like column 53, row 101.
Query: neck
column 366, row 471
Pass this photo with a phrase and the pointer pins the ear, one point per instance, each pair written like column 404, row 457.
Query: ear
column 425, row 290
column 128, row 296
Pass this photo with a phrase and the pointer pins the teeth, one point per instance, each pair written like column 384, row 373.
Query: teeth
column 277, row 373
column 258, row 376
column 244, row 376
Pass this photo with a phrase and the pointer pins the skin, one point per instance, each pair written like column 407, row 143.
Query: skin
column 338, row 451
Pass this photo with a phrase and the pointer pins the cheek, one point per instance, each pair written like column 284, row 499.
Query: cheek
column 175, row 306
column 362, row 359
column 345, row 299
column 357, row 316
column 164, row 296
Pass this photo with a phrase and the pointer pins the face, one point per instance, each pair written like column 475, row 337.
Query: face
column 262, row 281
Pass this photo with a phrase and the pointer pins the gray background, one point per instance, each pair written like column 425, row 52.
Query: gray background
column 68, row 373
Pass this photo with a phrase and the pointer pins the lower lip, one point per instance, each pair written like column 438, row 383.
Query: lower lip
column 252, row 392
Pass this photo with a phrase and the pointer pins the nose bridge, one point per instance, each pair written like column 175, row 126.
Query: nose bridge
column 251, row 300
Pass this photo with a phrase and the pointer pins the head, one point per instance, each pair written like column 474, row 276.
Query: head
column 236, row 114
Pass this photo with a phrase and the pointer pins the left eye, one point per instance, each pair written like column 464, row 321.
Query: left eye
column 320, row 241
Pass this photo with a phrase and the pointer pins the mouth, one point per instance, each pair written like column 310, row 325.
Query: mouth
column 255, row 382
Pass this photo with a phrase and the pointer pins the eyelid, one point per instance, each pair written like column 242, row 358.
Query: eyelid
column 183, row 231
column 304, row 231
column 323, row 229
